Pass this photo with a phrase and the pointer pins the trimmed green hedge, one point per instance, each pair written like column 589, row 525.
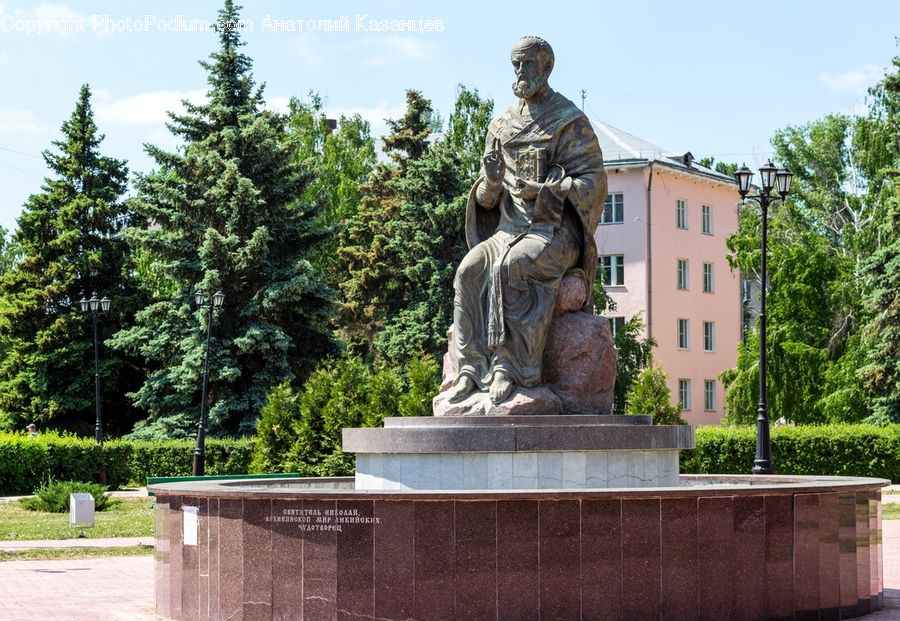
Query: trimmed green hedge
column 27, row 463
column 849, row 450
column 844, row 450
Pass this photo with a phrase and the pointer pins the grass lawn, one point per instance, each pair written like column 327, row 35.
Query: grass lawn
column 129, row 517
column 58, row 554
column 890, row 511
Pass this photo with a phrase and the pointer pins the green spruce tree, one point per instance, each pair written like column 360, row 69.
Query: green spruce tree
column 408, row 239
column 373, row 290
column 430, row 231
column 881, row 335
column 880, row 372
column 223, row 212
column 67, row 246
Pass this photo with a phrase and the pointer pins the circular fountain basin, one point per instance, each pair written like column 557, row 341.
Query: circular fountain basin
column 722, row 547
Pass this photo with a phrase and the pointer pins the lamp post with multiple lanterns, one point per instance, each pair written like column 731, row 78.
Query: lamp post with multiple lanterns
column 96, row 307
column 215, row 302
column 778, row 179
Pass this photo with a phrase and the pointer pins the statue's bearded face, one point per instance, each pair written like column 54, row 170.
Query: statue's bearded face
column 530, row 73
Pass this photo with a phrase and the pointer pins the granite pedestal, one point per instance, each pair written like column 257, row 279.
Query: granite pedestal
column 517, row 452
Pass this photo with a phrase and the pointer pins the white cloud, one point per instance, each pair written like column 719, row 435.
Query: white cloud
column 377, row 49
column 308, row 50
column 375, row 115
column 150, row 108
column 277, row 104
column 853, row 81
column 51, row 11
column 394, row 48
column 19, row 121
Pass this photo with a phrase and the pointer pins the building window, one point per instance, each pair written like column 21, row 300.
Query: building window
column 684, row 394
column 612, row 270
column 684, row 334
column 708, row 284
column 613, row 209
column 706, row 220
column 709, row 395
column 681, row 214
column 616, row 325
column 709, row 336
column 682, row 274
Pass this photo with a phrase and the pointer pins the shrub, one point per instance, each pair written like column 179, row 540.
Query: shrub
column 301, row 431
column 54, row 497
column 650, row 395
column 342, row 393
column 276, row 430
column 844, row 450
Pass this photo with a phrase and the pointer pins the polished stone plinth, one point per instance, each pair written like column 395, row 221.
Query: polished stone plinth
column 712, row 548
column 517, row 452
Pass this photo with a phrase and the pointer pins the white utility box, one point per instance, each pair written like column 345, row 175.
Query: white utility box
column 81, row 510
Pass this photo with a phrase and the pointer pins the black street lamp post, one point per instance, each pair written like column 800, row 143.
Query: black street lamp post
column 200, row 299
column 779, row 179
column 96, row 307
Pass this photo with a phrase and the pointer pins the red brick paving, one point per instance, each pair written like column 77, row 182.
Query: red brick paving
column 99, row 589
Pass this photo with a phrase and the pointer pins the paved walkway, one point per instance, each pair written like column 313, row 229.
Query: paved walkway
column 101, row 589
column 111, row 542
column 121, row 588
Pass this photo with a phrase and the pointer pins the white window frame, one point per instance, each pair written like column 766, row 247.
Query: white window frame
column 683, row 274
column 616, row 323
column 709, row 336
column 709, row 395
column 709, row 278
column 681, row 214
column 613, row 206
column 684, row 393
column 615, row 268
column 706, row 219
column 683, row 333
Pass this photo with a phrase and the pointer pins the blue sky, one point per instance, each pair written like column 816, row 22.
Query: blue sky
column 716, row 78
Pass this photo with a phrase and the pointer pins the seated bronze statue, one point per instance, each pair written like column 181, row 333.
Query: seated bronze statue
column 530, row 218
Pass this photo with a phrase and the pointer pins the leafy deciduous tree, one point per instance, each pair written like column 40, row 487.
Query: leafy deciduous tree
column 341, row 156
column 818, row 244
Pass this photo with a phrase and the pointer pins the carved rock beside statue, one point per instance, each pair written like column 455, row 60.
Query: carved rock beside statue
column 579, row 367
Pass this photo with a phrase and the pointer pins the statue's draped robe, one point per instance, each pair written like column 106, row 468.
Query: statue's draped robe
column 505, row 287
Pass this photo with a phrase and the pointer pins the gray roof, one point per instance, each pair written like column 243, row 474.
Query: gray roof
column 620, row 147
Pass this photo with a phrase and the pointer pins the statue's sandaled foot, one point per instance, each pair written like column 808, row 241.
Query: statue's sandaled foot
column 501, row 388
column 464, row 386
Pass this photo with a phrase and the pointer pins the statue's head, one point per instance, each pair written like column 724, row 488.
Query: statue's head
column 532, row 58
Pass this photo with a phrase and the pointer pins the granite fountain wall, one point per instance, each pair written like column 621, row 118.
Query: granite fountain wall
column 701, row 547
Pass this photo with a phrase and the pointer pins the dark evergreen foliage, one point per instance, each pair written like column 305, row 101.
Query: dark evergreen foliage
column 66, row 247
column 223, row 212
column 401, row 250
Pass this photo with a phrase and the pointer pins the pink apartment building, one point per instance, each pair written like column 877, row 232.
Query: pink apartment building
column 662, row 253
